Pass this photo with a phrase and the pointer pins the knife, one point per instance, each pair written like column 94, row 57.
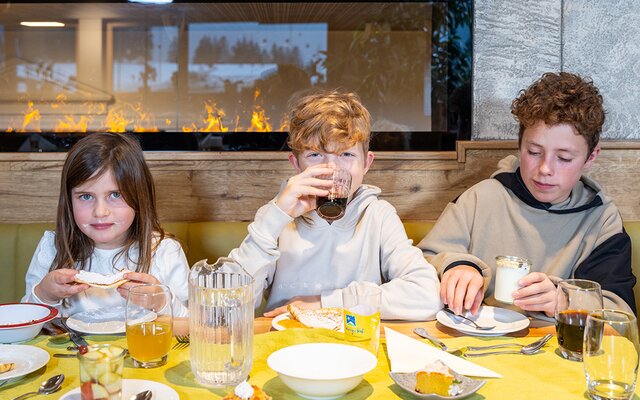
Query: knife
column 73, row 335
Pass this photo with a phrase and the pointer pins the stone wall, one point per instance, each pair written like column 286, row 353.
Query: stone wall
column 516, row 41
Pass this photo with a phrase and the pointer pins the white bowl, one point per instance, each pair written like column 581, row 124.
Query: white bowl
column 20, row 322
column 322, row 370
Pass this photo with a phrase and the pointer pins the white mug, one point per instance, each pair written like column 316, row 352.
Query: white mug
column 509, row 271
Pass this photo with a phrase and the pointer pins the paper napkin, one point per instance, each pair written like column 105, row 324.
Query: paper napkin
column 408, row 355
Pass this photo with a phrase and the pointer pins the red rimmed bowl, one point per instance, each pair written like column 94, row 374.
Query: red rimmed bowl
column 20, row 322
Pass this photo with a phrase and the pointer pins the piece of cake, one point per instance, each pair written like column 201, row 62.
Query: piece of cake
column 328, row 318
column 437, row 378
column 98, row 280
column 245, row 391
column 5, row 367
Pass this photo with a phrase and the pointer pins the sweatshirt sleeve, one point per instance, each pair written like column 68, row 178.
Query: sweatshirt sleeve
column 447, row 243
column 172, row 269
column 410, row 285
column 610, row 265
column 39, row 267
column 258, row 253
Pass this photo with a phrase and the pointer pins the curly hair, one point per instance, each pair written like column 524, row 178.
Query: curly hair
column 561, row 98
column 328, row 121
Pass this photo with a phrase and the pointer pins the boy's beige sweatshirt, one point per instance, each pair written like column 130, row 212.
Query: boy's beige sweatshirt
column 308, row 256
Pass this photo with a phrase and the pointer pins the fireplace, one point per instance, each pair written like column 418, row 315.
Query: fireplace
column 217, row 76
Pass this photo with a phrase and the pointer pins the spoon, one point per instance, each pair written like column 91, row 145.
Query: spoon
column 47, row 387
column 423, row 333
column 478, row 327
column 528, row 349
column 146, row 395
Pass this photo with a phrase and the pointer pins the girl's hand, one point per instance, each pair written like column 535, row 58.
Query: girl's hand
column 135, row 279
column 537, row 293
column 310, row 302
column 299, row 195
column 56, row 285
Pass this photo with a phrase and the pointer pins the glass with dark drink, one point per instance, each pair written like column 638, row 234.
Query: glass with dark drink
column 333, row 206
column 575, row 299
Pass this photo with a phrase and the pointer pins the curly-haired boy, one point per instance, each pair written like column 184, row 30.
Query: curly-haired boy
column 539, row 207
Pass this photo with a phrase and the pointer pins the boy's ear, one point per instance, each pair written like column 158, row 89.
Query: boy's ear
column 293, row 159
column 368, row 161
column 592, row 157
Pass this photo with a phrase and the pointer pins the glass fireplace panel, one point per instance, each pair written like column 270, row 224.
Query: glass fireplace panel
column 212, row 70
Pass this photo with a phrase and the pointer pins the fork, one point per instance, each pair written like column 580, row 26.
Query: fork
column 183, row 342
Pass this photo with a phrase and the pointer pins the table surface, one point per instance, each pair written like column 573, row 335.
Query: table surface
column 524, row 377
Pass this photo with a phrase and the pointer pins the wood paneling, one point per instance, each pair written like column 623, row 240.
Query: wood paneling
column 207, row 186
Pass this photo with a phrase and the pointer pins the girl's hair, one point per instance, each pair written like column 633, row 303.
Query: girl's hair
column 89, row 158
column 328, row 121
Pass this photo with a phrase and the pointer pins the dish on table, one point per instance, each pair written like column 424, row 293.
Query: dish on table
column 407, row 381
column 26, row 358
column 134, row 386
column 103, row 321
column 505, row 321
column 20, row 322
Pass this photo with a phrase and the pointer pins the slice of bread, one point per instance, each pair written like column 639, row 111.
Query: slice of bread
column 5, row 367
column 328, row 318
column 103, row 281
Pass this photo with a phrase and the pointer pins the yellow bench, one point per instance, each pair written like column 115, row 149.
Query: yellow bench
column 199, row 239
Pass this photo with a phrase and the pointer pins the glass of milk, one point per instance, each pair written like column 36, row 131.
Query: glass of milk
column 510, row 269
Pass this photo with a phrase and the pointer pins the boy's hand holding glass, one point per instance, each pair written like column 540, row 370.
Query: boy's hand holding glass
column 299, row 195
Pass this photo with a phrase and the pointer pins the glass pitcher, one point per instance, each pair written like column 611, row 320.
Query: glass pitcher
column 220, row 322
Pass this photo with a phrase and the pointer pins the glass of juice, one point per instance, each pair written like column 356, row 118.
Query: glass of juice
column 149, row 322
column 101, row 372
column 575, row 298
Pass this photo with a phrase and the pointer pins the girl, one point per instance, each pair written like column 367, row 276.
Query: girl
column 106, row 222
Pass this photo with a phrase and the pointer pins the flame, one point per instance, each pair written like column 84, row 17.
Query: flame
column 127, row 117
column 32, row 115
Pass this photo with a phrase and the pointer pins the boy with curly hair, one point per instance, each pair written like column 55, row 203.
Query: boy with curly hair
column 296, row 257
column 540, row 207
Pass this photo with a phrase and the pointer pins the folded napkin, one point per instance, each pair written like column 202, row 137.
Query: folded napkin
column 408, row 355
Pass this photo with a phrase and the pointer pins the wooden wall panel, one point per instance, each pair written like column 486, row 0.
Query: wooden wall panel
column 232, row 186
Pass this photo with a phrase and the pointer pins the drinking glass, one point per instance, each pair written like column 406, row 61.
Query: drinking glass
column 149, row 322
column 611, row 354
column 333, row 206
column 509, row 270
column 361, row 305
column 220, row 322
column 575, row 298
column 101, row 372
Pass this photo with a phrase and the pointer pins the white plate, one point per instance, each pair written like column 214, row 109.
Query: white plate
column 505, row 320
column 103, row 321
column 276, row 321
column 134, row 386
column 27, row 359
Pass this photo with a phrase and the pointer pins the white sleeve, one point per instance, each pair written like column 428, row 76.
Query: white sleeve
column 410, row 288
column 259, row 251
column 172, row 269
column 39, row 267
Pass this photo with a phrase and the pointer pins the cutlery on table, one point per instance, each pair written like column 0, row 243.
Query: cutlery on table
column 146, row 395
column 183, row 342
column 475, row 324
column 47, row 387
column 75, row 337
column 529, row 349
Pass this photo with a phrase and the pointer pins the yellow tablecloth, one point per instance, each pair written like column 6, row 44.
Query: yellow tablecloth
column 544, row 375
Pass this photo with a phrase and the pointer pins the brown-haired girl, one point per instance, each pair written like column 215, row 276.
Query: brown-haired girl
column 106, row 222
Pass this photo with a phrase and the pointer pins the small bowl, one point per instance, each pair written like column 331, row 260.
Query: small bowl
column 20, row 322
column 322, row 370
column 407, row 381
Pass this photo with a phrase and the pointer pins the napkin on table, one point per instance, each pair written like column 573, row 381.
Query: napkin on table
column 408, row 355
